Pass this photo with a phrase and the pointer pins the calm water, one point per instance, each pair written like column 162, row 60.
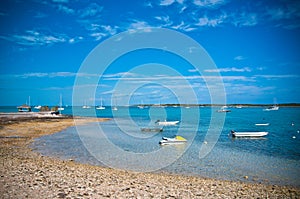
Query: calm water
column 274, row 159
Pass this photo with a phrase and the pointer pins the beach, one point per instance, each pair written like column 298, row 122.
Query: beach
column 27, row 174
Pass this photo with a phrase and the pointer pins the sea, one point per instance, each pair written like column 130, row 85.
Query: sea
column 210, row 150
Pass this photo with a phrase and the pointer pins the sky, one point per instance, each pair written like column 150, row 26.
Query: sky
column 44, row 44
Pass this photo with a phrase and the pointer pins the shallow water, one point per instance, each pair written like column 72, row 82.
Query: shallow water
column 119, row 143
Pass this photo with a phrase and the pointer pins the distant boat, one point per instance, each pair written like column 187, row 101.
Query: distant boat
column 238, row 106
column 38, row 107
column 101, row 107
column 24, row 108
column 262, row 124
column 176, row 140
column 248, row 134
column 166, row 123
column 149, row 129
column 85, row 106
column 223, row 109
column 60, row 108
column 272, row 108
column 114, row 108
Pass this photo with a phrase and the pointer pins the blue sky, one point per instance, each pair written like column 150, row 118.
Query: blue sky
column 254, row 44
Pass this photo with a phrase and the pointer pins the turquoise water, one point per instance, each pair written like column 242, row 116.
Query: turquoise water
column 274, row 159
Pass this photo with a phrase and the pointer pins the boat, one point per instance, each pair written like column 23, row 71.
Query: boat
column 24, row 108
column 85, row 106
column 272, row 108
column 223, row 109
column 101, row 107
column 248, row 134
column 149, row 129
column 166, row 123
column 262, row 124
column 176, row 140
column 114, row 108
column 38, row 107
column 60, row 108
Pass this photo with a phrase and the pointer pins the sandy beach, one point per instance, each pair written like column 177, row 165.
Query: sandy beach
column 27, row 174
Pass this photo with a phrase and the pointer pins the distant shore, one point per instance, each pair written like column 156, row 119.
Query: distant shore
column 27, row 174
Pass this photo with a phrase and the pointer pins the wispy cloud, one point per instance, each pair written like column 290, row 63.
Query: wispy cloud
column 277, row 76
column 212, row 22
column 184, row 27
column 35, row 38
column 91, row 11
column 209, row 3
column 232, row 69
column 239, row 58
column 65, row 9
column 244, row 19
column 54, row 75
column 166, row 2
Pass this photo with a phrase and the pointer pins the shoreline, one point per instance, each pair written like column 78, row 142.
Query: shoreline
column 25, row 173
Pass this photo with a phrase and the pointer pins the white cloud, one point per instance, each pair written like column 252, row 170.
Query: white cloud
column 277, row 76
column 166, row 2
column 239, row 58
column 209, row 3
column 212, row 22
column 35, row 38
column 184, row 27
column 232, row 69
column 244, row 19
column 91, row 11
column 65, row 9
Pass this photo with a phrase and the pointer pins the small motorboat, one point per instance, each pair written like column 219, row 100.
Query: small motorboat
column 176, row 140
column 223, row 109
column 248, row 134
column 166, row 123
column 262, row 124
column 272, row 108
column 149, row 129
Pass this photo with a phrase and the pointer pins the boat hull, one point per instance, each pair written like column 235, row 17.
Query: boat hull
column 248, row 134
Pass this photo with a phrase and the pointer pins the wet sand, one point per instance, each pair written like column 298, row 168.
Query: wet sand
column 27, row 174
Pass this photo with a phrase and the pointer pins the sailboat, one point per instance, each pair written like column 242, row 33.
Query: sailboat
column 85, row 106
column 101, row 107
column 272, row 108
column 60, row 108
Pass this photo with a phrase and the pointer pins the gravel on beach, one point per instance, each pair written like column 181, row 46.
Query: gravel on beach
column 26, row 174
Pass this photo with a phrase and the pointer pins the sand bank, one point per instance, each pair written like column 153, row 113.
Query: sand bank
column 26, row 174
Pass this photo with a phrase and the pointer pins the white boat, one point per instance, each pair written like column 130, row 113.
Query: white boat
column 114, row 108
column 248, row 134
column 101, row 107
column 272, row 108
column 38, row 107
column 166, row 123
column 176, row 140
column 60, row 108
column 262, row 124
column 85, row 106
column 223, row 109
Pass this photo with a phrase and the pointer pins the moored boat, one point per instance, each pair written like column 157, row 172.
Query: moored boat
column 149, row 129
column 262, row 124
column 166, row 123
column 249, row 134
column 176, row 140
column 272, row 108
column 224, row 109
